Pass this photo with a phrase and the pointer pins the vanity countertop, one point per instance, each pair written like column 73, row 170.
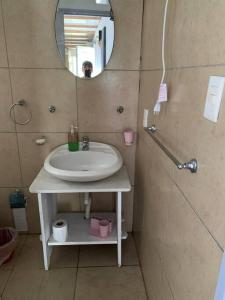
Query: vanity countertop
column 46, row 183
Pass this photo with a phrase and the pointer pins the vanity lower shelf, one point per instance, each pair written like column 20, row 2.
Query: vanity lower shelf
column 78, row 230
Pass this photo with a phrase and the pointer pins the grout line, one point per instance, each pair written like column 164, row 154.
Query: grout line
column 121, row 70
column 138, row 113
column 142, row 32
column 184, row 67
column 76, row 276
column 140, row 266
column 37, row 68
column 164, row 272
column 65, row 69
column 13, row 187
column 63, row 132
column 109, row 266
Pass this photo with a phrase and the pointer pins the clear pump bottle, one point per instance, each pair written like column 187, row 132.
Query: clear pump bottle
column 73, row 141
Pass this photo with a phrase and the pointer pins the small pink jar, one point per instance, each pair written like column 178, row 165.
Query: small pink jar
column 129, row 137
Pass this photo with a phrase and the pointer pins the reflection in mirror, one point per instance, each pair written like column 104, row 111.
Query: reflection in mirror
column 85, row 35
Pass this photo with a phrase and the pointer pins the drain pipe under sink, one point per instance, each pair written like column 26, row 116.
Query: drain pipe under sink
column 87, row 204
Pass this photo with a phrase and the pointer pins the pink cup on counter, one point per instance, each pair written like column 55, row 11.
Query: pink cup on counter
column 95, row 223
column 129, row 137
column 104, row 228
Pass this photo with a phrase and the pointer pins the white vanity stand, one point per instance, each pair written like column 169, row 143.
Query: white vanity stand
column 47, row 187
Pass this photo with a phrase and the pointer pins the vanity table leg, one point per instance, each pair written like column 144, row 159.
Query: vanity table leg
column 47, row 211
column 119, row 227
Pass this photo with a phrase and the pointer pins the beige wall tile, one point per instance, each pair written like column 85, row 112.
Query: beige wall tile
column 152, row 34
column 30, row 33
column 3, row 53
column 99, row 98
column 189, row 42
column 41, row 88
column 156, row 280
column 68, row 202
column 192, row 136
column 6, row 124
column 203, row 140
column 32, row 156
column 9, row 161
column 103, row 202
column 6, row 218
column 149, row 89
column 196, row 33
column 128, row 25
column 185, row 246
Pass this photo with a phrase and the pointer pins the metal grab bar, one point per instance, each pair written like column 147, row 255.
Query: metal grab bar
column 191, row 165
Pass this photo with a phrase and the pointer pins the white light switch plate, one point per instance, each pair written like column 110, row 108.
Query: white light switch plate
column 214, row 98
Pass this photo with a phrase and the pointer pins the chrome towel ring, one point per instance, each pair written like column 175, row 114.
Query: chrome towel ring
column 23, row 103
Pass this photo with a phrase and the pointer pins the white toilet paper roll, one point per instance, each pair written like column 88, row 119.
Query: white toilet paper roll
column 60, row 230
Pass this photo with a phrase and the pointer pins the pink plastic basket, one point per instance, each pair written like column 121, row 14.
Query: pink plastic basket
column 8, row 239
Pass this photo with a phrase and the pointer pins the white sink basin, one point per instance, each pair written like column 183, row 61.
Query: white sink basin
column 100, row 161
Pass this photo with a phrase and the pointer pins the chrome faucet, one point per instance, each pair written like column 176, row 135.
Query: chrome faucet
column 85, row 143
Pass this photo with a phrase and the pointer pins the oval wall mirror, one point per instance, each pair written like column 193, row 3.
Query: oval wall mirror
column 85, row 35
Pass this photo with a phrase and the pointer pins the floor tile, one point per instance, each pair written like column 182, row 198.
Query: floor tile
column 110, row 283
column 10, row 265
column 41, row 285
column 4, row 276
column 64, row 257
column 106, row 255
column 31, row 256
column 58, row 285
column 23, row 284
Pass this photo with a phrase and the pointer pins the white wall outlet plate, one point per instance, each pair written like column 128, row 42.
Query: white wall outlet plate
column 214, row 98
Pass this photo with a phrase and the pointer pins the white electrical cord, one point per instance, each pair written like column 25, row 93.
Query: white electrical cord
column 163, row 87
column 163, row 41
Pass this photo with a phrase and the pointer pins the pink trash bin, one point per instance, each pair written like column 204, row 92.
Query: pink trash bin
column 8, row 239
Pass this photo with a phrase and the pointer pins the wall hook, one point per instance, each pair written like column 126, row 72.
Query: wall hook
column 120, row 109
column 51, row 108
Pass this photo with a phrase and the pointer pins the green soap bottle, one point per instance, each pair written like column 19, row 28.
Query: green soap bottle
column 73, row 141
